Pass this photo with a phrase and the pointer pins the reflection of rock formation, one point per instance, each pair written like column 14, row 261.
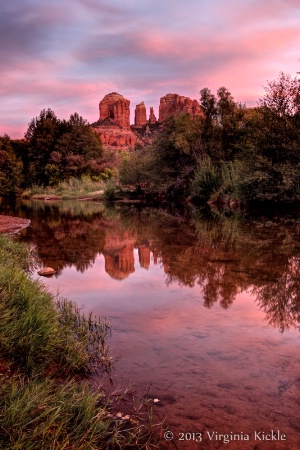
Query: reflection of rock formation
column 119, row 263
column 144, row 256
column 118, row 253
column 172, row 104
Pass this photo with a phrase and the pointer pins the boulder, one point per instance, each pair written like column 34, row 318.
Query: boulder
column 46, row 271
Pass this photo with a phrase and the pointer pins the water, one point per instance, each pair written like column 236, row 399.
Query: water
column 205, row 313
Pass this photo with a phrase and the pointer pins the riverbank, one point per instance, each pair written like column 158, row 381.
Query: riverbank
column 47, row 351
column 11, row 225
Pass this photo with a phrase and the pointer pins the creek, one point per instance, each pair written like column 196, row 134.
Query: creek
column 205, row 311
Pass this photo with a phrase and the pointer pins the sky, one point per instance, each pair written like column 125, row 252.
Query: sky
column 68, row 54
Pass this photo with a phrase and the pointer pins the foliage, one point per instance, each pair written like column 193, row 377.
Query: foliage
column 222, row 127
column 173, row 155
column 11, row 168
column 42, row 342
column 71, row 188
column 34, row 333
column 59, row 149
column 207, row 180
column 111, row 191
column 134, row 168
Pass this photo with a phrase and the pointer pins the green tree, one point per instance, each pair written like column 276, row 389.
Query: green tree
column 41, row 137
column 222, row 126
column 10, row 168
column 174, row 154
column 271, row 170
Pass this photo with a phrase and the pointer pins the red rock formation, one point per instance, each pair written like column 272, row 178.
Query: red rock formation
column 152, row 118
column 114, row 136
column 140, row 115
column 172, row 104
column 116, row 108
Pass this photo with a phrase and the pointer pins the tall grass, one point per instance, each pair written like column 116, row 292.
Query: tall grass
column 46, row 415
column 36, row 333
column 73, row 187
column 217, row 183
column 44, row 343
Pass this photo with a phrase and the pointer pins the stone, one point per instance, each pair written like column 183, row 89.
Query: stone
column 46, row 271
column 113, row 136
column 152, row 118
column 116, row 108
column 140, row 115
column 173, row 104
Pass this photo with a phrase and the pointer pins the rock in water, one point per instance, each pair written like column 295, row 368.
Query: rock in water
column 46, row 271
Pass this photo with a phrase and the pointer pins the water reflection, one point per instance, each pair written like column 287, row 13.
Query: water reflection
column 190, row 299
column 223, row 256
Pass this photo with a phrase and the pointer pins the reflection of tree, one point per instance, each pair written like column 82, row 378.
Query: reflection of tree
column 223, row 256
column 280, row 300
column 65, row 234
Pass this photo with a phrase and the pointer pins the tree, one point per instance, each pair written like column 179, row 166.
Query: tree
column 279, row 136
column 174, row 153
column 222, row 127
column 272, row 172
column 10, row 168
column 58, row 149
column 42, row 135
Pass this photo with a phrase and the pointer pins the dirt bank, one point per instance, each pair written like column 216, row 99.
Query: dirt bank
column 11, row 225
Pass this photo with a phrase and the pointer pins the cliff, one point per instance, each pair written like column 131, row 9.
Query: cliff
column 114, row 127
column 172, row 104
column 116, row 108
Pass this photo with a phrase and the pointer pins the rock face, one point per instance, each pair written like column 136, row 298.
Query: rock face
column 140, row 115
column 114, row 127
column 116, row 108
column 172, row 104
column 152, row 118
column 113, row 136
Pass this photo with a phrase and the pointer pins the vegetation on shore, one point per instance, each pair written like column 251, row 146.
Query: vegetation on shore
column 232, row 154
column 46, row 346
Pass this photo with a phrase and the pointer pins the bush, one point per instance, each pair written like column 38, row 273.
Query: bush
column 207, row 181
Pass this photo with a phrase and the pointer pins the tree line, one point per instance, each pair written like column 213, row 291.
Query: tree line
column 52, row 150
column 232, row 153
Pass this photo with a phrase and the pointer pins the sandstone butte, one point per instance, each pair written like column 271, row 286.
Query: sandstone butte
column 114, row 127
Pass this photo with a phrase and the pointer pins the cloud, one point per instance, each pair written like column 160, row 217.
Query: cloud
column 68, row 55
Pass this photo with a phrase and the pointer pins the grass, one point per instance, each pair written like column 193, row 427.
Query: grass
column 72, row 188
column 45, row 344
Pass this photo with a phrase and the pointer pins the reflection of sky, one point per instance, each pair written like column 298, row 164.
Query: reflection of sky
column 144, row 295
column 68, row 55
column 210, row 361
